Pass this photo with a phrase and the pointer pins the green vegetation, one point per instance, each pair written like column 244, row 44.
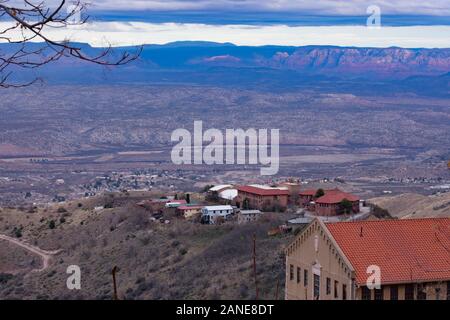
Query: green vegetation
column 319, row 193
column 346, row 206
column 18, row 232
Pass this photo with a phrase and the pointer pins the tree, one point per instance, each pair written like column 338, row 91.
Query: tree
column 346, row 206
column 246, row 204
column 207, row 187
column 29, row 21
column 319, row 193
column 52, row 224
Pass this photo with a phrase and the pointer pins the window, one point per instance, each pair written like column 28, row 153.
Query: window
column 336, row 293
column 316, row 287
column 366, row 294
column 344, row 292
column 394, row 292
column 328, row 286
column 291, row 272
column 421, row 293
column 379, row 294
column 298, row 275
column 409, row 292
column 305, row 277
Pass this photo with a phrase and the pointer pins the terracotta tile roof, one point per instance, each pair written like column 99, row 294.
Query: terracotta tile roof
column 410, row 250
column 263, row 192
column 308, row 192
column 336, row 196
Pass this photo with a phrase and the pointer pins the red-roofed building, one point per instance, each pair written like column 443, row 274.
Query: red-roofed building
column 305, row 197
column 329, row 204
column 262, row 198
column 334, row 261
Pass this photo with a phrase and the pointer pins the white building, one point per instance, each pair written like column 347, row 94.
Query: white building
column 228, row 194
column 210, row 214
column 220, row 188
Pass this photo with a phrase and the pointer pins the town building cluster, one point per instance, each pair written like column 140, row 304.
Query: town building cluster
column 330, row 259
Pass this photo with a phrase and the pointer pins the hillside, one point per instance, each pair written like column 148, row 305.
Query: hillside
column 180, row 260
column 415, row 205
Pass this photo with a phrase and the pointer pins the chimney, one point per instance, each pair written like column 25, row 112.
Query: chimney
column 361, row 233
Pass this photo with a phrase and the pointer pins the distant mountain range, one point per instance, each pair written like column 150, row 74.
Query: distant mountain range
column 214, row 63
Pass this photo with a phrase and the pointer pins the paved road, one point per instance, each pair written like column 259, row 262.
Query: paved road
column 44, row 254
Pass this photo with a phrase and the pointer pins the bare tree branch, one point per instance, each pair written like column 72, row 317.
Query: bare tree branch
column 30, row 21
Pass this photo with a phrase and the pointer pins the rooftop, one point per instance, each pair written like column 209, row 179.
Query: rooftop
column 410, row 250
column 308, row 192
column 263, row 190
column 228, row 194
column 177, row 201
column 336, row 196
column 220, row 187
column 244, row 212
column 190, row 207
column 218, row 208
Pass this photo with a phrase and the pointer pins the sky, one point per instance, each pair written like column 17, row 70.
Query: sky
column 403, row 23
column 316, row 7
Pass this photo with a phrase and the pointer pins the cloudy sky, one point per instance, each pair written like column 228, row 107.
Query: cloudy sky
column 329, row 7
column 404, row 23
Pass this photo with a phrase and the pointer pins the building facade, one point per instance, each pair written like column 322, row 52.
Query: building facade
column 330, row 204
column 331, row 261
column 262, row 198
column 190, row 211
column 214, row 214
column 245, row 216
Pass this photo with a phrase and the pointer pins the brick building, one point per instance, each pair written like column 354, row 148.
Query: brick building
column 329, row 204
column 330, row 261
column 262, row 198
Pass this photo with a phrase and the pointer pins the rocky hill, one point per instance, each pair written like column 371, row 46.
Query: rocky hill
column 180, row 260
column 415, row 205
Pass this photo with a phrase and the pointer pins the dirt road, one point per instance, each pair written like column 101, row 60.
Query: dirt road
column 44, row 254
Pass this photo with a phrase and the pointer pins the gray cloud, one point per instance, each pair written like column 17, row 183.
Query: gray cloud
column 331, row 7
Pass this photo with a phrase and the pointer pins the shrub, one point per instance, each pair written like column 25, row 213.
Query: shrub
column 17, row 232
column 61, row 210
column 109, row 205
column 319, row 193
column 52, row 224
column 5, row 277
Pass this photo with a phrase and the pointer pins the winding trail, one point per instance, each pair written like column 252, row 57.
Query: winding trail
column 44, row 254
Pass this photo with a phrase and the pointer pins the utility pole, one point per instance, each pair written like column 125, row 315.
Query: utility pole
column 254, row 266
column 114, row 271
column 278, row 289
